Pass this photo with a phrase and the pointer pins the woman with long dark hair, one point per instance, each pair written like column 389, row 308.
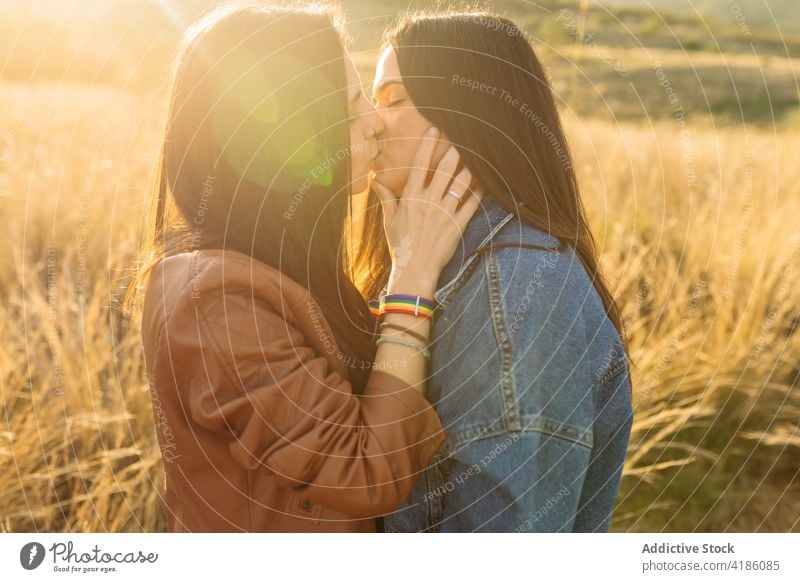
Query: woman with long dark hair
column 530, row 368
column 276, row 408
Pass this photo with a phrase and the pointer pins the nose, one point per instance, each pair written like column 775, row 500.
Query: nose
column 374, row 125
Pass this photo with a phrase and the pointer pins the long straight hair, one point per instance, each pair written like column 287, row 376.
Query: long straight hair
column 255, row 158
column 476, row 76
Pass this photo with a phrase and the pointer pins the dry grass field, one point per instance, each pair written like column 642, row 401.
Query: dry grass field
column 699, row 233
column 685, row 134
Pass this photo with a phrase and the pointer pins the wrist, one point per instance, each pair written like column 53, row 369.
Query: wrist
column 412, row 286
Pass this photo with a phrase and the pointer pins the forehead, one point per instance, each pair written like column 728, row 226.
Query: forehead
column 387, row 68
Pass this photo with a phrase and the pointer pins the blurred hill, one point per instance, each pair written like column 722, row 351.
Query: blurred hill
column 733, row 59
column 781, row 15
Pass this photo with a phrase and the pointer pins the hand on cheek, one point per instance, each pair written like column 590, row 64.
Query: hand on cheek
column 441, row 148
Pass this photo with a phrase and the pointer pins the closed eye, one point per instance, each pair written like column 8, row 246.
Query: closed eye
column 393, row 103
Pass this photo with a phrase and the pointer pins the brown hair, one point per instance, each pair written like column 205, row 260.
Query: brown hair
column 518, row 153
column 255, row 157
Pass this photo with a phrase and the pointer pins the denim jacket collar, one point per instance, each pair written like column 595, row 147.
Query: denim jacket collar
column 487, row 221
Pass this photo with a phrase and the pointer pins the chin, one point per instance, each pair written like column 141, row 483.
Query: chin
column 359, row 186
column 394, row 179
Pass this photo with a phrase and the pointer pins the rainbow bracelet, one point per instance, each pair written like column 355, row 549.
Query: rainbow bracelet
column 374, row 307
column 408, row 304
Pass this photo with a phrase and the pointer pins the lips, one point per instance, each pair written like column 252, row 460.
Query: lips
column 374, row 160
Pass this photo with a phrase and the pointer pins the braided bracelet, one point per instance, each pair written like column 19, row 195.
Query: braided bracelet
column 394, row 340
column 413, row 334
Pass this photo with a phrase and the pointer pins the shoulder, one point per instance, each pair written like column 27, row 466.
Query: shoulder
column 543, row 271
column 548, row 296
column 208, row 277
column 241, row 314
column 223, row 291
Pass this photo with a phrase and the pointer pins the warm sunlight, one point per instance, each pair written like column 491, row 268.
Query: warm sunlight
column 400, row 266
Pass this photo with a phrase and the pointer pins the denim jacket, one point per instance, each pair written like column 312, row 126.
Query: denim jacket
column 529, row 378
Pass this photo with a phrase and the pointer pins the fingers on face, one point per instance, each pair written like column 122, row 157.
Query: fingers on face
column 383, row 192
column 388, row 201
column 421, row 163
column 444, row 173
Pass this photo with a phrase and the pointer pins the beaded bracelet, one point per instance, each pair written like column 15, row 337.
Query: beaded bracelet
column 393, row 340
column 408, row 304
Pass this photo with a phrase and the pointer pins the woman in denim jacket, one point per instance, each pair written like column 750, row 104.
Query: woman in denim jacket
column 530, row 372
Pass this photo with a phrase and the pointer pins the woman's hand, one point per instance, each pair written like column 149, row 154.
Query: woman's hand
column 423, row 227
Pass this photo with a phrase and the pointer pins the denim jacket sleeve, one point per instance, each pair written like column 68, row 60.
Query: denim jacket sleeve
column 528, row 474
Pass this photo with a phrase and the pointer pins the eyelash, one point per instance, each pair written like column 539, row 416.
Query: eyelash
column 393, row 103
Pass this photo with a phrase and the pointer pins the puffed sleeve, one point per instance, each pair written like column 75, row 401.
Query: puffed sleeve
column 259, row 385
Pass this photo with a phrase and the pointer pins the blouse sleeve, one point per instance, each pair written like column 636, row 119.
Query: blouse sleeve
column 260, row 386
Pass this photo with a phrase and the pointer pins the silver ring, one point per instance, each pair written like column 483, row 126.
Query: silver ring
column 455, row 194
